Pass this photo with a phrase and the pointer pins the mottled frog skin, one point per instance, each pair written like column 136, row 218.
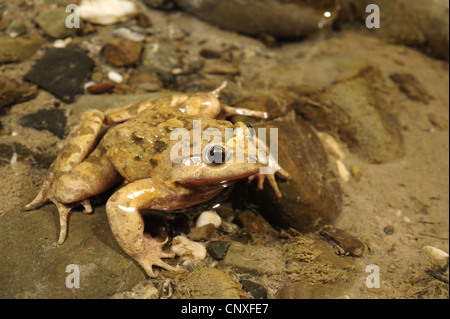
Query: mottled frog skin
column 136, row 150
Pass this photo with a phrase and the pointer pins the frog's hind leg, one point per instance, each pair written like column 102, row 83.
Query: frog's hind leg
column 127, row 224
column 91, row 177
column 75, row 149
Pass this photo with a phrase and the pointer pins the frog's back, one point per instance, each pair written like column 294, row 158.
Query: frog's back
column 138, row 147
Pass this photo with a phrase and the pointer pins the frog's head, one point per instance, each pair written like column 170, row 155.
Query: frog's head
column 218, row 163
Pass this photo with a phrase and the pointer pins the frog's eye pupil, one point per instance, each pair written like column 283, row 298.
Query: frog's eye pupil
column 216, row 155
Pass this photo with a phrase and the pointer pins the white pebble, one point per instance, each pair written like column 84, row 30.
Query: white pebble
column 14, row 159
column 186, row 248
column 128, row 34
column 343, row 171
column 88, row 84
column 115, row 77
column 60, row 43
column 208, row 217
column 107, row 12
column 406, row 219
column 440, row 257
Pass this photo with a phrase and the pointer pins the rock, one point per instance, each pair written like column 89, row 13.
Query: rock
column 115, row 76
column 53, row 23
column 128, row 34
column 143, row 290
column 280, row 19
column 256, row 290
column 24, row 155
column 52, row 120
column 143, row 20
column 16, row 29
column 243, row 236
column 122, row 52
column 408, row 22
column 61, row 72
column 40, row 265
column 146, row 82
column 160, row 4
column 107, row 12
column 253, row 221
column 159, row 58
column 311, row 197
column 14, row 92
column 440, row 257
column 303, row 290
column 210, row 283
column 357, row 172
column 346, row 243
column 355, row 110
column 188, row 249
column 204, row 232
column 388, row 230
column 100, row 88
column 413, row 89
column 20, row 49
column 217, row 249
column 254, row 259
column 208, row 217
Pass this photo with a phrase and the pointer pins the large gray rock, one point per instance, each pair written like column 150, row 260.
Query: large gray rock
column 20, row 49
column 281, row 19
column 33, row 266
column 417, row 23
column 312, row 196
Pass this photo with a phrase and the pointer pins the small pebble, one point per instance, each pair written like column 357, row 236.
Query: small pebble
column 439, row 256
column 217, row 249
column 209, row 217
column 188, row 249
column 255, row 289
column 202, row 233
column 357, row 172
column 100, row 88
column 115, row 77
column 388, row 230
column 128, row 34
column 122, row 52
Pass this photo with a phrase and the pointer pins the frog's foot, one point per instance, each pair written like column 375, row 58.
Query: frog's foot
column 63, row 211
column 262, row 177
column 152, row 254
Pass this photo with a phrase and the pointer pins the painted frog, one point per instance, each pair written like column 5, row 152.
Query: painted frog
column 138, row 149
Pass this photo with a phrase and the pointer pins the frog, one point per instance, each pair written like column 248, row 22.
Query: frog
column 137, row 153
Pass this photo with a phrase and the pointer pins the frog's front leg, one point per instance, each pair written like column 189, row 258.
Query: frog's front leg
column 123, row 210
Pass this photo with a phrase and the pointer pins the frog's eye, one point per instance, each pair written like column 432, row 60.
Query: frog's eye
column 215, row 155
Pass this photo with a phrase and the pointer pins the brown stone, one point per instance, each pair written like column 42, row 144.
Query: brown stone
column 122, row 52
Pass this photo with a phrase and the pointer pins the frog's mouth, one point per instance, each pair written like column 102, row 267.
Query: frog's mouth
column 191, row 172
